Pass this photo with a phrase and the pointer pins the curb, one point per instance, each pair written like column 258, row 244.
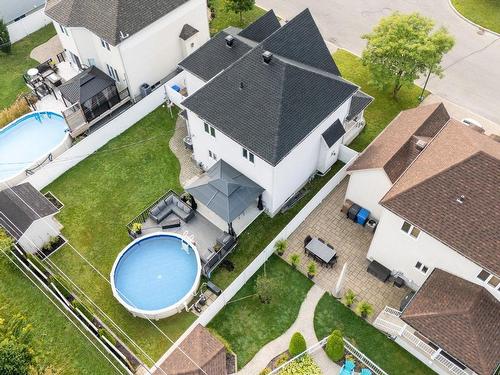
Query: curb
column 470, row 22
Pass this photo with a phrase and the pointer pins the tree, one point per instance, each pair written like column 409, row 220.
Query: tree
column 265, row 288
column 297, row 344
column 5, row 45
column 402, row 47
column 239, row 6
column 335, row 346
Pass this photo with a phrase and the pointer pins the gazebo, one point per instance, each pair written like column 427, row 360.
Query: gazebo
column 226, row 192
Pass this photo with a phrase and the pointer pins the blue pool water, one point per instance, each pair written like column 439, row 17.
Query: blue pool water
column 29, row 139
column 156, row 272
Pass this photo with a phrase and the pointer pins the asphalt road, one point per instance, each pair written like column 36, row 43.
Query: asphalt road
column 472, row 68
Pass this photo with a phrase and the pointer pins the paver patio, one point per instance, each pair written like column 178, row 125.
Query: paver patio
column 189, row 170
column 351, row 241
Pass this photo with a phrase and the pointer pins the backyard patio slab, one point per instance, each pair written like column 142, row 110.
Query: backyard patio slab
column 189, row 170
column 351, row 241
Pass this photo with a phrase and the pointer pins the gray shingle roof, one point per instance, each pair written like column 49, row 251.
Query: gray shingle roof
column 359, row 102
column 187, row 32
column 107, row 18
column 16, row 215
column 86, row 85
column 333, row 133
column 214, row 56
column 262, row 28
column 269, row 108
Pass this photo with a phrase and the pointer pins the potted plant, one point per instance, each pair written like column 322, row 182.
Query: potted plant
column 311, row 270
column 280, row 246
column 137, row 228
column 350, row 298
column 294, row 260
column 364, row 309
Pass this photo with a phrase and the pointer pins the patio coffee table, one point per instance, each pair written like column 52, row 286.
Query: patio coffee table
column 321, row 250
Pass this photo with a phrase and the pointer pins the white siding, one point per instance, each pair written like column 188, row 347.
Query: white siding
column 193, row 83
column 154, row 52
column 367, row 187
column 38, row 234
column 27, row 25
column 398, row 251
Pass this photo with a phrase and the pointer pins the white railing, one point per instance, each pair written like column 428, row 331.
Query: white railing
column 257, row 263
column 350, row 348
column 399, row 328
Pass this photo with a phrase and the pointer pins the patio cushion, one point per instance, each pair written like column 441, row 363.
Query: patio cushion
column 162, row 205
column 155, row 210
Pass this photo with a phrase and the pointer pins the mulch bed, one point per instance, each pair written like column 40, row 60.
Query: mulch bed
column 52, row 199
column 44, row 252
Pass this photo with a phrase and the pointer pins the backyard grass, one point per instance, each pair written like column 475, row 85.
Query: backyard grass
column 330, row 314
column 485, row 13
column 13, row 66
column 54, row 335
column 247, row 324
column 224, row 18
column 384, row 108
column 101, row 195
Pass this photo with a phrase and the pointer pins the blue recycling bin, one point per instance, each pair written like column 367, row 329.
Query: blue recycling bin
column 362, row 217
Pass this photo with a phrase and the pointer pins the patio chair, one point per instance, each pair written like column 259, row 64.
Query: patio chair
column 347, row 368
column 321, row 240
column 307, row 240
column 366, row 371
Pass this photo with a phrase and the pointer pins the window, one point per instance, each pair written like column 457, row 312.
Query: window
column 410, row 229
column 248, row 155
column 422, row 268
column 113, row 73
column 494, row 281
column 212, row 155
column 64, row 30
column 483, row 275
column 488, row 278
column 105, row 44
column 209, row 129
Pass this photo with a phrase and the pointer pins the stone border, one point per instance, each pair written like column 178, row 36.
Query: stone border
column 470, row 22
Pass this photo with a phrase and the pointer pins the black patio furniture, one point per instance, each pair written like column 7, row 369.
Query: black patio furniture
column 320, row 251
column 172, row 204
column 379, row 271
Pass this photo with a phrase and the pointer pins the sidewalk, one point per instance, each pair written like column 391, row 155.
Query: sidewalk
column 303, row 324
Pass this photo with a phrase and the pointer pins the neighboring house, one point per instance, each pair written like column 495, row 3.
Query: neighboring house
column 270, row 102
column 433, row 183
column 11, row 11
column 134, row 42
column 200, row 353
column 28, row 216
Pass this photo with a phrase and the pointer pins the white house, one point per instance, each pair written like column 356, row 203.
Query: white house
column 135, row 42
column 433, row 183
column 28, row 216
column 270, row 102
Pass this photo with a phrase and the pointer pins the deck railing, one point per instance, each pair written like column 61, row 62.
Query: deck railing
column 398, row 328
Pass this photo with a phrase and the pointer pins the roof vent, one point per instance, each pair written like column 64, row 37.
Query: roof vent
column 242, row 85
column 420, row 145
column 461, row 199
column 229, row 40
column 267, row 56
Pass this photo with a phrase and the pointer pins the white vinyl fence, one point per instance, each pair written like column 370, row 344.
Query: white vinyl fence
column 257, row 263
column 97, row 139
column 27, row 25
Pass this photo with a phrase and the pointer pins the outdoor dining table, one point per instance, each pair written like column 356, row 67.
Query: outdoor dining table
column 321, row 250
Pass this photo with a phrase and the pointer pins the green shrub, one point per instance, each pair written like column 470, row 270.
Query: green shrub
column 297, row 344
column 350, row 298
column 280, row 246
column 266, row 371
column 364, row 309
column 302, row 366
column 335, row 346
column 282, row 359
column 105, row 333
column 265, row 288
column 137, row 227
column 311, row 268
column 294, row 260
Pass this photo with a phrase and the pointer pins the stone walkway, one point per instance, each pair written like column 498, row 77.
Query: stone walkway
column 303, row 324
column 47, row 50
column 189, row 170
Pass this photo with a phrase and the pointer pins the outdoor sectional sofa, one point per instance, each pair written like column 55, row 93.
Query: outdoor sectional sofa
column 171, row 205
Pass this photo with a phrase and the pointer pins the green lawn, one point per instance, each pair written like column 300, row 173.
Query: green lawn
column 65, row 347
column 13, row 66
column 101, row 195
column 224, row 18
column 483, row 12
column 384, row 108
column 330, row 314
column 247, row 325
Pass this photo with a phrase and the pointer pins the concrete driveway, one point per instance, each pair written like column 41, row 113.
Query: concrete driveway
column 472, row 68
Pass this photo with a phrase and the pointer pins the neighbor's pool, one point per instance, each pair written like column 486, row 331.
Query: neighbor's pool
column 28, row 141
column 156, row 275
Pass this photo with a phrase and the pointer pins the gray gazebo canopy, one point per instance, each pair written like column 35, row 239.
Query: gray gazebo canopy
column 225, row 191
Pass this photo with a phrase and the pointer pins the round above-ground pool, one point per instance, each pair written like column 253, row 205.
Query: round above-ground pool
column 156, row 275
column 30, row 141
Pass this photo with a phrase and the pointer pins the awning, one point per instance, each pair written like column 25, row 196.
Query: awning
column 225, row 191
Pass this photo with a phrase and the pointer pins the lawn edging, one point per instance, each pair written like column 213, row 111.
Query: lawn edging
column 349, row 157
column 471, row 22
